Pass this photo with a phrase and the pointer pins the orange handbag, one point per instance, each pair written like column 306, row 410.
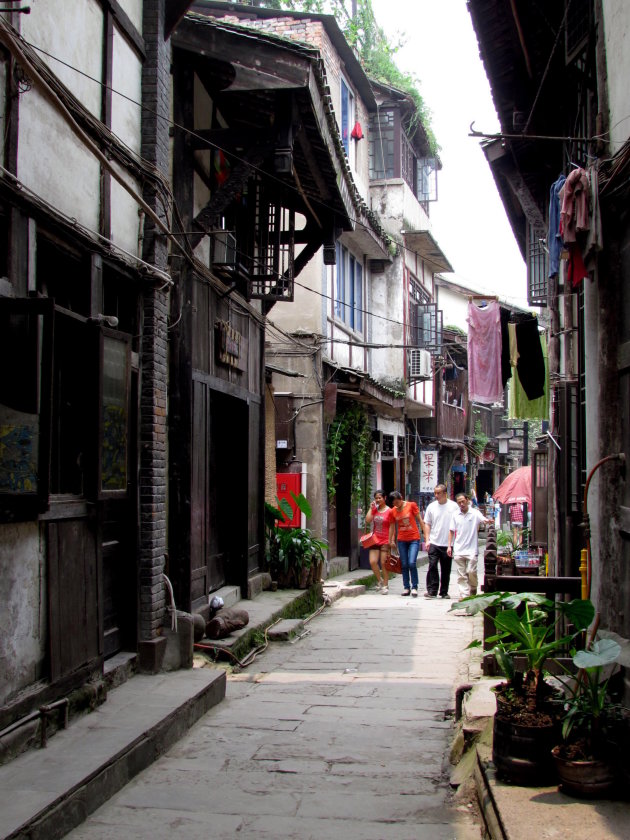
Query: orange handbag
column 368, row 540
column 392, row 564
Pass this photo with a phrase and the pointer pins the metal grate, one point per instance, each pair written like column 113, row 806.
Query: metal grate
column 271, row 275
column 537, row 283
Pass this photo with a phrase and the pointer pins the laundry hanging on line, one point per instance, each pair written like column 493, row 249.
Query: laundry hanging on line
column 498, row 338
column 522, row 408
column 575, row 231
column 484, row 353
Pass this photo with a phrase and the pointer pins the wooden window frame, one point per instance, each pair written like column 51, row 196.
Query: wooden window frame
column 26, row 505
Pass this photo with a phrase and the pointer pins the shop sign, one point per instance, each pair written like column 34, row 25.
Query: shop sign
column 428, row 470
column 230, row 346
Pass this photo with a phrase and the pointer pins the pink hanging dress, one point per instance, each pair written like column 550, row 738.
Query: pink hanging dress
column 484, row 353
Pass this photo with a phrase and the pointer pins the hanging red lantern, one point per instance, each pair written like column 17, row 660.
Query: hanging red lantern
column 357, row 132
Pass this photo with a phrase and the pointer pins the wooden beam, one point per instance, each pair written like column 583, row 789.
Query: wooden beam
column 258, row 65
column 106, row 116
column 227, row 193
column 315, row 169
column 222, row 138
column 174, row 12
column 127, row 28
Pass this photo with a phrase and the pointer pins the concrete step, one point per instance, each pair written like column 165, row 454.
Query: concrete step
column 46, row 793
column 230, row 594
column 338, row 566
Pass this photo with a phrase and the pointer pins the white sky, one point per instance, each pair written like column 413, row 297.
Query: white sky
column 468, row 220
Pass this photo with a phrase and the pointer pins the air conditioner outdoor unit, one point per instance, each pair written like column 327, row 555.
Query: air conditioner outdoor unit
column 419, row 364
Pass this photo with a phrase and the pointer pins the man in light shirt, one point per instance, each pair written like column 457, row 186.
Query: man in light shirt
column 463, row 544
column 437, row 521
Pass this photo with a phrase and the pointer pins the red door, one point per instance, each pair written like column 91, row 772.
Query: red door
column 285, row 483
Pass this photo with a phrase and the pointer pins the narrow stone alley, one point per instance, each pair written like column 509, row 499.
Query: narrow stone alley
column 344, row 733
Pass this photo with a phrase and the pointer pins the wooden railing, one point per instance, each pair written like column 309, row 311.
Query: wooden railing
column 451, row 422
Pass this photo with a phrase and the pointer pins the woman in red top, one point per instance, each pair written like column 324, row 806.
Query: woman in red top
column 380, row 514
column 407, row 524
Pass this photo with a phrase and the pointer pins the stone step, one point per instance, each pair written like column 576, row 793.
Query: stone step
column 338, row 566
column 45, row 793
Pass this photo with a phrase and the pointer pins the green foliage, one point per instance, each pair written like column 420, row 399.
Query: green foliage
column 480, row 439
column 588, row 706
column 350, row 425
column 375, row 52
column 290, row 548
column 526, row 625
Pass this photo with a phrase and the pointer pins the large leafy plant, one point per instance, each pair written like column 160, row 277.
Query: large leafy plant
column 528, row 625
column 589, row 706
column 291, row 548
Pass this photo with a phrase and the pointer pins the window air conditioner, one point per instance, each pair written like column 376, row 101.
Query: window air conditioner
column 419, row 364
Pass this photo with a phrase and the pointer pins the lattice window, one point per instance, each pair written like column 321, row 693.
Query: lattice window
column 271, row 275
column 425, row 319
column 537, row 268
column 388, row 446
column 381, row 145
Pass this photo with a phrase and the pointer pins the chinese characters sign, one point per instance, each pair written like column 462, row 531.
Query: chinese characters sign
column 428, row 470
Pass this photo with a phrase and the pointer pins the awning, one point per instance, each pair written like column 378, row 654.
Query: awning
column 422, row 243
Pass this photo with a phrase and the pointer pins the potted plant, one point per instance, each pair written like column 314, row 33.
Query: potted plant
column 587, row 757
column 527, row 720
column 505, row 547
column 294, row 556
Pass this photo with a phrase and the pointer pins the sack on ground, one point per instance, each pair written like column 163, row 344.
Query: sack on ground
column 225, row 622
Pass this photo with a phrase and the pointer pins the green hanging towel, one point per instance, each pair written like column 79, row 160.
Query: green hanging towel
column 520, row 407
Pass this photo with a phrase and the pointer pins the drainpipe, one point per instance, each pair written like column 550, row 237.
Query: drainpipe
column 303, row 491
column 585, row 517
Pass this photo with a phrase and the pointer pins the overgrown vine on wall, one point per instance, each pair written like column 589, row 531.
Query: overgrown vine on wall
column 350, row 425
column 480, row 439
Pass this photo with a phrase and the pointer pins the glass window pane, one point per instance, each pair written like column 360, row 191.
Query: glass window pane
column 20, row 342
column 114, row 416
column 358, row 297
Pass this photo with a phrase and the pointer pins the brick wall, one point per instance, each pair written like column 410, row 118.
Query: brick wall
column 154, row 368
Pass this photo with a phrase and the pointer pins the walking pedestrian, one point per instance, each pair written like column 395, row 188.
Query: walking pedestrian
column 437, row 522
column 463, row 544
column 406, row 527
column 381, row 515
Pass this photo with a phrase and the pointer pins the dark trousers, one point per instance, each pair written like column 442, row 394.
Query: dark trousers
column 437, row 582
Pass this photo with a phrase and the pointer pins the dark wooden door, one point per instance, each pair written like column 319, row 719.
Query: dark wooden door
column 116, row 491
column 73, row 594
column 229, row 489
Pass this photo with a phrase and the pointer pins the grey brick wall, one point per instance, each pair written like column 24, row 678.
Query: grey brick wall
column 154, row 361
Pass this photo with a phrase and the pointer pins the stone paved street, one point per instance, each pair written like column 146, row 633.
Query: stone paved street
column 342, row 734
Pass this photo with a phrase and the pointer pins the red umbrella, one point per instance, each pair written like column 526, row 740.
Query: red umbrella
column 516, row 488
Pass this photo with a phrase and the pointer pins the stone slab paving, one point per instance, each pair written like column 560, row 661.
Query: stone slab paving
column 342, row 734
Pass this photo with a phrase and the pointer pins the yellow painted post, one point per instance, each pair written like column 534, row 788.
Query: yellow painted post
column 583, row 571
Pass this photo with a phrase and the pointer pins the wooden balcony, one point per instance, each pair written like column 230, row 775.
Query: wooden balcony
column 451, row 421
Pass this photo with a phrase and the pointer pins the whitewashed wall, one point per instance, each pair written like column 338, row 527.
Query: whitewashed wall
column 617, row 39
column 133, row 8
column 51, row 160
column 23, row 614
column 454, row 307
column 126, row 125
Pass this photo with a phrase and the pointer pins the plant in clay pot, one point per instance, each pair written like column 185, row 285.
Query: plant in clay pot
column 527, row 720
column 294, row 555
column 586, row 760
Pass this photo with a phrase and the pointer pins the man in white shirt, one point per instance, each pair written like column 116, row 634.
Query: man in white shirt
column 463, row 544
column 437, row 521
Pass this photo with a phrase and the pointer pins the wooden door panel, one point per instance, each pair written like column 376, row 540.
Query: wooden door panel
column 73, row 595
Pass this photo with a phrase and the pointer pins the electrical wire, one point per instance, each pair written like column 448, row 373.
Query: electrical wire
column 13, row 39
column 216, row 147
